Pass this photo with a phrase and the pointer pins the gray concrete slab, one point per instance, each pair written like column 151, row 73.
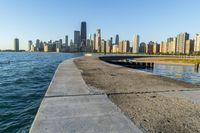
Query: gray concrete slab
column 67, row 81
column 69, row 107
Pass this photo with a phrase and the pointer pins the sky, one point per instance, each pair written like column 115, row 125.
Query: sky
column 153, row 20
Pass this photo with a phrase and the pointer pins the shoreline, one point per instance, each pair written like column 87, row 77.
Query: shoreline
column 139, row 95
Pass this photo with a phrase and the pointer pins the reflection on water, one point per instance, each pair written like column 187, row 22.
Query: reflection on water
column 179, row 72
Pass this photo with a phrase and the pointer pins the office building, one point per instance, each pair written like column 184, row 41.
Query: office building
column 98, row 40
column 142, row 48
column 33, row 48
column 136, row 41
column 103, row 46
column 189, row 48
column 115, row 48
column 108, row 46
column 46, row 47
column 77, row 40
column 156, row 48
column 163, row 47
column 126, row 46
column 120, row 48
column 181, row 42
column 16, row 44
column 197, row 43
column 83, row 36
column 95, row 47
column 171, row 45
column 117, row 39
column 149, row 48
column 66, row 41
column 30, row 43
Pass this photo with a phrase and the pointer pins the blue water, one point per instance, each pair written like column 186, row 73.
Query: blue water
column 178, row 72
column 24, row 79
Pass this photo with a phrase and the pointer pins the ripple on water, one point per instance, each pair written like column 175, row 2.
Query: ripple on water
column 23, row 83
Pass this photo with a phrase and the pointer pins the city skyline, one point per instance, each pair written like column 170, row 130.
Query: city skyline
column 153, row 21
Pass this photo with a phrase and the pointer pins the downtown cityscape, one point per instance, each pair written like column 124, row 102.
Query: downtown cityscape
column 181, row 44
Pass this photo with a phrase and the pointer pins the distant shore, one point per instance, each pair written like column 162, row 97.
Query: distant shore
column 138, row 94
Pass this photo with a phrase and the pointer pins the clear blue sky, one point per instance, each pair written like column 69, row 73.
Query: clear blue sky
column 53, row 19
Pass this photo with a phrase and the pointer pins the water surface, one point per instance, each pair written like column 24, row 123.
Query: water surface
column 179, row 72
column 24, row 79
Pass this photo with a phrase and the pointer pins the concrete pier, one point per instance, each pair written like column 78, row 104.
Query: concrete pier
column 69, row 107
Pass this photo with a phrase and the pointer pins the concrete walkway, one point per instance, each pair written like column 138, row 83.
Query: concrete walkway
column 69, row 107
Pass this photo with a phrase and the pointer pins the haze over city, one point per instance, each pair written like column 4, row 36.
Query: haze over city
column 50, row 20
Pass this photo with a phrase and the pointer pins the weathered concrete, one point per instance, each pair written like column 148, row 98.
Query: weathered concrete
column 193, row 96
column 69, row 107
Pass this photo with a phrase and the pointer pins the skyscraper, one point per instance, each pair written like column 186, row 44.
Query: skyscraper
column 117, row 39
column 98, row 40
column 197, row 43
column 66, row 41
column 181, row 42
column 83, row 36
column 16, row 44
column 136, row 41
column 77, row 40
column 30, row 43
column 189, row 47
column 95, row 48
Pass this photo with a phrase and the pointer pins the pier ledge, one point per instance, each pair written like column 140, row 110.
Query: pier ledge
column 70, row 107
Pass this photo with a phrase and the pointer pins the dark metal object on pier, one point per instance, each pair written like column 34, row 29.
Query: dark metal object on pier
column 196, row 67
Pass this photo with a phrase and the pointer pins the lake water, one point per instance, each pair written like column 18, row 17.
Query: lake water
column 24, row 79
column 179, row 72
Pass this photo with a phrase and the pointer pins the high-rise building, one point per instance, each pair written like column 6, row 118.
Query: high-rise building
column 30, row 43
column 120, row 48
column 16, row 44
column 171, row 45
column 189, row 47
column 163, row 47
column 142, row 48
column 95, row 47
column 60, row 42
column 126, row 46
column 117, row 39
column 37, row 44
column 98, row 40
column 83, row 36
column 77, row 40
column 149, row 48
column 103, row 46
column 108, row 46
column 46, row 47
column 136, row 41
column 66, row 41
column 156, row 48
column 181, row 42
column 197, row 43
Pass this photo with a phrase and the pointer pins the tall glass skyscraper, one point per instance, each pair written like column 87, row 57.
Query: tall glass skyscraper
column 77, row 40
column 83, row 36
column 117, row 39
column 16, row 44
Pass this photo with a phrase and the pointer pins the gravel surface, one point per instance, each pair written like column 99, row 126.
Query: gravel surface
column 138, row 95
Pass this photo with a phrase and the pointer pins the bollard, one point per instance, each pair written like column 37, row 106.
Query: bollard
column 196, row 67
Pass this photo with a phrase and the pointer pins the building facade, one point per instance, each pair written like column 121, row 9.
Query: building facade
column 136, row 41
column 16, row 44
